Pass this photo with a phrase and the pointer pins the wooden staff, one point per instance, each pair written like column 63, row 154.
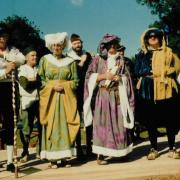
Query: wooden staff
column 15, row 122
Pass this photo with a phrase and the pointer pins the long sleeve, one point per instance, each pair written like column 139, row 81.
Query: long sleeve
column 143, row 65
column 91, row 69
column 29, row 85
column 142, row 71
column 74, row 77
column 2, row 74
column 173, row 68
column 41, row 71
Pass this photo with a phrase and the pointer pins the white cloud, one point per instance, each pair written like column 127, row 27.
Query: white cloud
column 77, row 2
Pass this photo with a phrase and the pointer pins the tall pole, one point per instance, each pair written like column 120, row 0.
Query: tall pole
column 15, row 122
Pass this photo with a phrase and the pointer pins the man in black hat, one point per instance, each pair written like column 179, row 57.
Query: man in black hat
column 83, row 59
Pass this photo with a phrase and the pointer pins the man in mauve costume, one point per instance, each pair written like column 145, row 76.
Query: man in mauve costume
column 109, row 81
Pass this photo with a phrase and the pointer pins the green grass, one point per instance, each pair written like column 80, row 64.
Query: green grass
column 144, row 134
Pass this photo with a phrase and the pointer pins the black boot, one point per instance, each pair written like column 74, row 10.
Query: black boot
column 25, row 154
column 10, row 167
column 80, row 154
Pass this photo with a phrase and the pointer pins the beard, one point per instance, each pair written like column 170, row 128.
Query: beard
column 78, row 50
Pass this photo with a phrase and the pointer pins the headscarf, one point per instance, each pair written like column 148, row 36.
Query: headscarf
column 56, row 38
column 147, row 33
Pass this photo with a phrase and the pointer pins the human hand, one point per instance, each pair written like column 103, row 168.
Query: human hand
column 116, row 78
column 58, row 88
column 10, row 66
column 109, row 76
column 83, row 60
column 83, row 57
column 32, row 79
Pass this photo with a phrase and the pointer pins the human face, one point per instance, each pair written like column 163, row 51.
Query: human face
column 3, row 42
column 77, row 45
column 57, row 49
column 31, row 58
column 113, row 49
column 153, row 42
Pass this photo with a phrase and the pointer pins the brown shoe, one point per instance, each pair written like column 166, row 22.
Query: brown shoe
column 101, row 161
column 53, row 165
column 153, row 154
column 174, row 154
column 24, row 159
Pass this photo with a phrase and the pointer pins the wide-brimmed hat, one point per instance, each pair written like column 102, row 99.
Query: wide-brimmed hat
column 121, row 48
column 105, row 42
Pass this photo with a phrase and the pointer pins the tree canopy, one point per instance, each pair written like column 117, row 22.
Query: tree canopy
column 168, row 12
column 23, row 33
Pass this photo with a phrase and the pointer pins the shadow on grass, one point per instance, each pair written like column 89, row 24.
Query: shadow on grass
column 85, row 159
column 28, row 171
column 28, row 167
column 140, row 152
column 2, row 163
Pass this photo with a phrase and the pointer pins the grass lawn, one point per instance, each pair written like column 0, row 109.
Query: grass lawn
column 161, row 132
column 34, row 139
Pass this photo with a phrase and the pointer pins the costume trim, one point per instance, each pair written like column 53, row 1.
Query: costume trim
column 59, row 63
column 54, row 155
column 87, row 104
column 112, row 152
column 128, row 114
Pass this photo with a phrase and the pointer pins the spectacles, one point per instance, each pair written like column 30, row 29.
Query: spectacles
column 152, row 36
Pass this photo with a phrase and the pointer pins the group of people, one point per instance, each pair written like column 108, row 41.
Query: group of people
column 105, row 91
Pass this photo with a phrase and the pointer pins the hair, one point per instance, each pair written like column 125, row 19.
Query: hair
column 28, row 50
column 5, row 35
column 75, row 37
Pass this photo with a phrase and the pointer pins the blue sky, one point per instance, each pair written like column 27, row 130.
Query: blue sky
column 91, row 19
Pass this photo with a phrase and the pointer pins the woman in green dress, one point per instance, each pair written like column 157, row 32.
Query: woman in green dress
column 58, row 106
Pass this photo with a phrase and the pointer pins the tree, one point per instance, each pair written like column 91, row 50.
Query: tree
column 168, row 12
column 23, row 33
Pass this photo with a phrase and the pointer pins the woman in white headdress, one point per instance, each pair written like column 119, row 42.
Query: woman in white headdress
column 58, row 108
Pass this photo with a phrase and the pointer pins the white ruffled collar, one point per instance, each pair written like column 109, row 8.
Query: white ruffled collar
column 71, row 53
column 59, row 63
